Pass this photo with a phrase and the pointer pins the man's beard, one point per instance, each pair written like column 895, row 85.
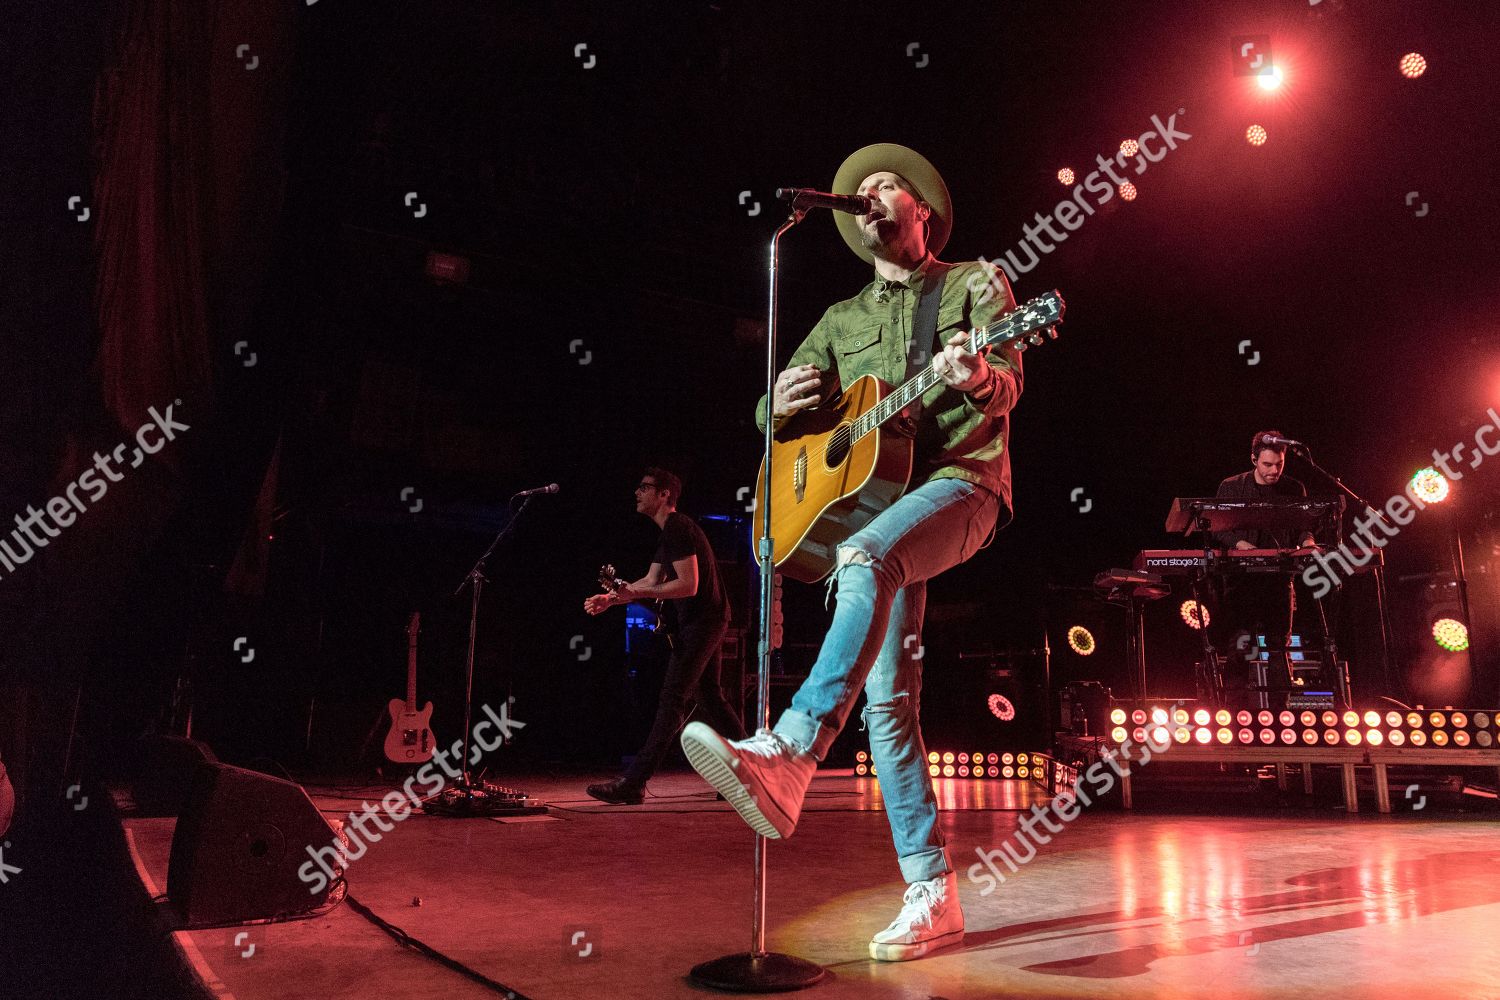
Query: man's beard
column 877, row 238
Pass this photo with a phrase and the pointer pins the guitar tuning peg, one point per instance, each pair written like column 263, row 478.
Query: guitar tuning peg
column 1021, row 347
column 1036, row 339
column 1052, row 333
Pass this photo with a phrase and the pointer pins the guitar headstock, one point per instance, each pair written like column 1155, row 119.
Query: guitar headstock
column 608, row 578
column 1030, row 325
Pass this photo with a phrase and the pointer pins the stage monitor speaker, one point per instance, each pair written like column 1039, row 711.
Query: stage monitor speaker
column 240, row 839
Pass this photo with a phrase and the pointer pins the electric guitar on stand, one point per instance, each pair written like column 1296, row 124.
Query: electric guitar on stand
column 833, row 468
column 410, row 740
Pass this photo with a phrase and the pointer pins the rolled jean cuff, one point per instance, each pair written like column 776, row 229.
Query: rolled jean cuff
column 803, row 730
column 929, row 864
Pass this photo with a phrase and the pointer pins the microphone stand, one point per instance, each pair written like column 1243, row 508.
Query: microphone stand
column 760, row 971
column 467, row 798
column 1382, row 597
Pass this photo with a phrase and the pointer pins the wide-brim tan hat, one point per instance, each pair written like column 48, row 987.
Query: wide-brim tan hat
column 919, row 173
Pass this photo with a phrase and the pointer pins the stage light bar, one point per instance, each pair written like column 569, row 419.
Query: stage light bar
column 1352, row 727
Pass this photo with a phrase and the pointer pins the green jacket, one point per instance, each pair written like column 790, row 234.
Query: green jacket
column 868, row 335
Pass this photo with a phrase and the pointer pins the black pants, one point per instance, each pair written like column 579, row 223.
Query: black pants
column 692, row 679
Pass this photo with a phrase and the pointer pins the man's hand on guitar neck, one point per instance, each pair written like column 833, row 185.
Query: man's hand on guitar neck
column 797, row 389
column 959, row 367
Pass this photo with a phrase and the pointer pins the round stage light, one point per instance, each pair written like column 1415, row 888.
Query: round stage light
column 1242, row 717
column 1307, row 718
column 1117, row 715
column 1372, row 718
column 1010, row 758
column 1081, row 640
column 1396, row 738
column 963, row 770
column 1270, row 78
column 1127, row 193
column 1129, row 147
column 1413, row 65
column 1352, row 737
column 861, row 769
column 1287, row 718
column 1138, row 734
column 1022, row 772
column 948, row 757
column 1264, row 717
column 932, row 757
column 1226, row 736
column 963, row 758
column 1256, row 135
column 1267, row 736
column 1289, row 736
column 1351, row 718
column 993, row 758
column 1483, row 738
column 1429, row 485
column 1181, row 716
column 1414, row 719
column 1138, row 716
column 1440, row 738
column 1222, row 716
column 1482, row 719
column 1451, row 634
column 861, row 756
column 1331, row 737
column 1393, row 718
column 1195, row 616
column 1022, row 758
column 934, row 770
column 1001, row 707
column 1309, row 736
column 1158, row 715
column 1203, row 735
column 1065, row 175
column 1330, row 718
column 948, row 770
column 1460, row 719
column 1160, row 736
column 1418, row 738
column 1437, row 719
column 1183, row 734
column 1374, row 737
column 1247, row 736
column 1007, row 772
column 1461, row 738
column 1201, row 716
column 992, row 771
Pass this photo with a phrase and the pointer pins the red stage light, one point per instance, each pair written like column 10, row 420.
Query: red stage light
column 1430, row 485
column 1127, row 193
column 1001, row 707
column 1194, row 614
column 1129, row 147
column 1065, row 175
column 1270, row 78
column 1256, row 135
column 1413, row 65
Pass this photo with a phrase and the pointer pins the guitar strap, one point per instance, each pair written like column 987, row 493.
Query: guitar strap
column 923, row 334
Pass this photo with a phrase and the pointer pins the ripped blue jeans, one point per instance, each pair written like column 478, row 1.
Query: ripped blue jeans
column 875, row 642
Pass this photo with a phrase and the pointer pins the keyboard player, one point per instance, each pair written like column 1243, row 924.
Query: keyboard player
column 1255, row 603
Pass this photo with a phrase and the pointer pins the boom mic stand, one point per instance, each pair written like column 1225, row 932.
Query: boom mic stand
column 468, row 798
column 760, row 971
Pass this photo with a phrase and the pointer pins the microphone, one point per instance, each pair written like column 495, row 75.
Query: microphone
column 1276, row 439
column 854, row 204
column 549, row 488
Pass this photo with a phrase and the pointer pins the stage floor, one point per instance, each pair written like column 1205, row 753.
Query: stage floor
column 1304, row 903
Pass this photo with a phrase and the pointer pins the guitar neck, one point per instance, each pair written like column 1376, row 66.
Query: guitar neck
column 411, row 664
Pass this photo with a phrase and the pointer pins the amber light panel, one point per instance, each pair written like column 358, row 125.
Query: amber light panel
column 1440, row 738
column 1414, row 719
column 1117, row 715
column 948, row 757
column 1330, row 718
column 1226, row 736
column 1393, row 719
column 1351, row 718
column 1352, row 737
column 1309, row 736
column 934, row 770
column 1460, row 719
column 932, row 757
column 1183, row 734
column 1418, row 738
column 1396, row 738
column 1307, row 718
column 1461, row 738
column 1287, row 718
column 1181, row 716
column 1437, row 719
column 1222, row 717
column 948, row 770
column 1374, row 737
column 1331, row 737
column 1372, row 718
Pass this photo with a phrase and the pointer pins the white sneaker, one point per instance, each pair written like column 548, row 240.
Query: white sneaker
column 931, row 919
column 764, row 777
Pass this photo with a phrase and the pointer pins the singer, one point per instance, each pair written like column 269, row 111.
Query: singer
column 959, row 491
column 684, row 571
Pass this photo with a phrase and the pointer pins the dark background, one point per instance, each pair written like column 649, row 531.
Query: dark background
column 613, row 317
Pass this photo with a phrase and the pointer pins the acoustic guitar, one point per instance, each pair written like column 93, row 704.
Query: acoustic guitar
column 410, row 740
column 835, row 466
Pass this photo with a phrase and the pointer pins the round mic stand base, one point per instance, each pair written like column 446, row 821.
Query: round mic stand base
column 766, row 973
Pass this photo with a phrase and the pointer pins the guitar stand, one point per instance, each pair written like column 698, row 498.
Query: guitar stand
column 467, row 798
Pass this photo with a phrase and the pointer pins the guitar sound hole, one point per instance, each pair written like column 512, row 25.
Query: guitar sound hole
column 838, row 447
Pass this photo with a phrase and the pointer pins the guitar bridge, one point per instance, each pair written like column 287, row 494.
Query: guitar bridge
column 799, row 474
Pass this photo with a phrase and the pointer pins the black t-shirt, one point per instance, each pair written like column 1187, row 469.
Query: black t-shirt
column 1244, row 487
column 680, row 538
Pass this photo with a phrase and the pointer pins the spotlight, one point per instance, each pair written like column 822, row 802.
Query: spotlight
column 1127, row 191
column 1451, row 634
column 1129, row 147
column 1396, row 738
column 992, row 771
column 1256, row 135
column 1413, row 65
column 1270, row 78
column 932, row 757
column 861, row 769
column 1194, row 614
column 1372, row 718
column 1065, row 175
column 1289, row 736
column 934, row 770
column 1081, row 640
column 1201, row 716
column 1418, row 738
column 1183, row 734
column 861, row 756
column 1117, row 715
column 947, row 770
column 1222, row 716
column 1118, row 734
column 948, row 757
column 1203, row 735
column 1430, row 485
column 1001, row 707
column 1007, row 772
column 1226, row 736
